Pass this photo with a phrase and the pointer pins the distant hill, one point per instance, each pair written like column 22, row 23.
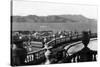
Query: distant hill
column 50, row 19
column 54, row 22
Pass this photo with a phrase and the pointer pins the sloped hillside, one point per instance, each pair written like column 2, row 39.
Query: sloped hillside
column 54, row 22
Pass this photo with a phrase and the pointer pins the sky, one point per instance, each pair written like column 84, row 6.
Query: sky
column 24, row 8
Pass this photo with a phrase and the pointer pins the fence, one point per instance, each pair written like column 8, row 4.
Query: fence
column 39, row 57
column 81, row 57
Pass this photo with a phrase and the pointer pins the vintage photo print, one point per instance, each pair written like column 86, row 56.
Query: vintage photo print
column 52, row 33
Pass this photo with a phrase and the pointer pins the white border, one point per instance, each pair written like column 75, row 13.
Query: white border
column 5, row 33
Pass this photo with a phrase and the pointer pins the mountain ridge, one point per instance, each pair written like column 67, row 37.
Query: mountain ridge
column 51, row 18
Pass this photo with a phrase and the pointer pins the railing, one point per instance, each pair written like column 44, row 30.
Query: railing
column 36, row 57
column 81, row 56
column 70, row 39
column 39, row 57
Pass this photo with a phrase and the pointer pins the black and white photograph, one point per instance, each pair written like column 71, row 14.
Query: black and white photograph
column 52, row 33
